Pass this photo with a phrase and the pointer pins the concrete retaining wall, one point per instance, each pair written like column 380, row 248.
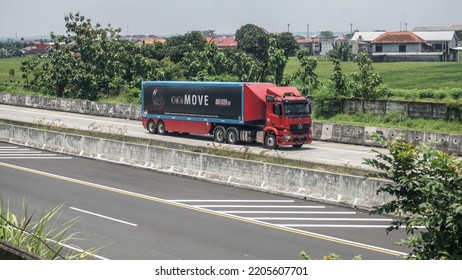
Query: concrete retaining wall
column 334, row 188
column 72, row 105
column 347, row 134
column 407, row 108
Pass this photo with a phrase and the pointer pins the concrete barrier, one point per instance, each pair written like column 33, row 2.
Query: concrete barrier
column 338, row 133
column 9, row 251
column 315, row 185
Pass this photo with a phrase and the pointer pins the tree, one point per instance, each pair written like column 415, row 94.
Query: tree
column 286, row 41
column 341, row 51
column 426, row 186
column 178, row 46
column 339, row 80
column 87, row 63
column 208, row 33
column 245, row 66
column 277, row 61
column 367, row 83
column 253, row 40
column 327, row 35
column 206, row 64
column 305, row 74
column 157, row 50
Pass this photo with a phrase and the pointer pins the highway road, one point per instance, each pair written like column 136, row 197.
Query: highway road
column 318, row 152
column 135, row 214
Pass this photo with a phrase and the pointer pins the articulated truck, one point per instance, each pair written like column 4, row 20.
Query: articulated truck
column 231, row 112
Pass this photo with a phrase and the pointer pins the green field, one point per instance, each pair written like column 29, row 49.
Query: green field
column 398, row 75
column 10, row 63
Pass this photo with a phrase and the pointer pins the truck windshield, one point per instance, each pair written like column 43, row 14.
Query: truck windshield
column 297, row 110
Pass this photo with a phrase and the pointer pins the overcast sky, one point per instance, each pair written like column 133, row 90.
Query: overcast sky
column 161, row 17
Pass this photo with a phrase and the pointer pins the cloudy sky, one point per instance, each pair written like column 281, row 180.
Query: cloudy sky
column 161, row 17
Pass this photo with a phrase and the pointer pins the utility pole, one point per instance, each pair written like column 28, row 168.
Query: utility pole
column 288, row 27
column 307, row 31
column 351, row 28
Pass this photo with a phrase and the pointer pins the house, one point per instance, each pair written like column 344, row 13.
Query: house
column 312, row 45
column 37, row 49
column 149, row 40
column 442, row 41
column 223, row 42
column 361, row 41
column 318, row 46
column 409, row 46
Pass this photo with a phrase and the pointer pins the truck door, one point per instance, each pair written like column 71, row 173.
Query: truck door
column 275, row 116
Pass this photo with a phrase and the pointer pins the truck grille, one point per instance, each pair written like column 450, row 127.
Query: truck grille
column 299, row 128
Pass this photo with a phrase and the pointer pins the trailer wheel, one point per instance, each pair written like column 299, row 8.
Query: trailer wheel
column 152, row 127
column 232, row 135
column 219, row 134
column 270, row 141
column 161, row 128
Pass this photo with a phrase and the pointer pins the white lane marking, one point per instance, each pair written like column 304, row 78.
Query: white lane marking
column 186, row 206
column 334, row 226
column 36, row 157
column 38, row 154
column 102, row 216
column 233, row 200
column 287, row 212
column 13, row 149
column 71, row 247
column 259, row 206
column 81, row 251
column 319, row 219
column 76, row 249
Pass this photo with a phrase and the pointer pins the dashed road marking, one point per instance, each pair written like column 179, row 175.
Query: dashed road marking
column 14, row 152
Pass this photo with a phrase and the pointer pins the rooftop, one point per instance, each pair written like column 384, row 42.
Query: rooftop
column 398, row 37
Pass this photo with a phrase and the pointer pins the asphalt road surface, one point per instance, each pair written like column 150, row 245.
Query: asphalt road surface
column 317, row 152
column 131, row 213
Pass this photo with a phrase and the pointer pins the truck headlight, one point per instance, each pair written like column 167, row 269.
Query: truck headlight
column 287, row 137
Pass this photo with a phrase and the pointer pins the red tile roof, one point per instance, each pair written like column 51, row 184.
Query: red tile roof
column 223, row 42
column 398, row 37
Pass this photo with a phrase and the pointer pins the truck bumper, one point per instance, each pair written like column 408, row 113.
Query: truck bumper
column 287, row 140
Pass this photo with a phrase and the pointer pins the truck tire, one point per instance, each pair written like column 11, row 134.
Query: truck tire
column 270, row 141
column 152, row 127
column 219, row 134
column 297, row 146
column 232, row 135
column 161, row 128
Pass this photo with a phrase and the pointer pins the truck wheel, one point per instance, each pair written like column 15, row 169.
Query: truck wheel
column 270, row 141
column 152, row 127
column 161, row 128
column 297, row 146
column 232, row 135
column 219, row 134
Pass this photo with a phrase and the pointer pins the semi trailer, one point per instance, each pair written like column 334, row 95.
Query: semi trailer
column 231, row 112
